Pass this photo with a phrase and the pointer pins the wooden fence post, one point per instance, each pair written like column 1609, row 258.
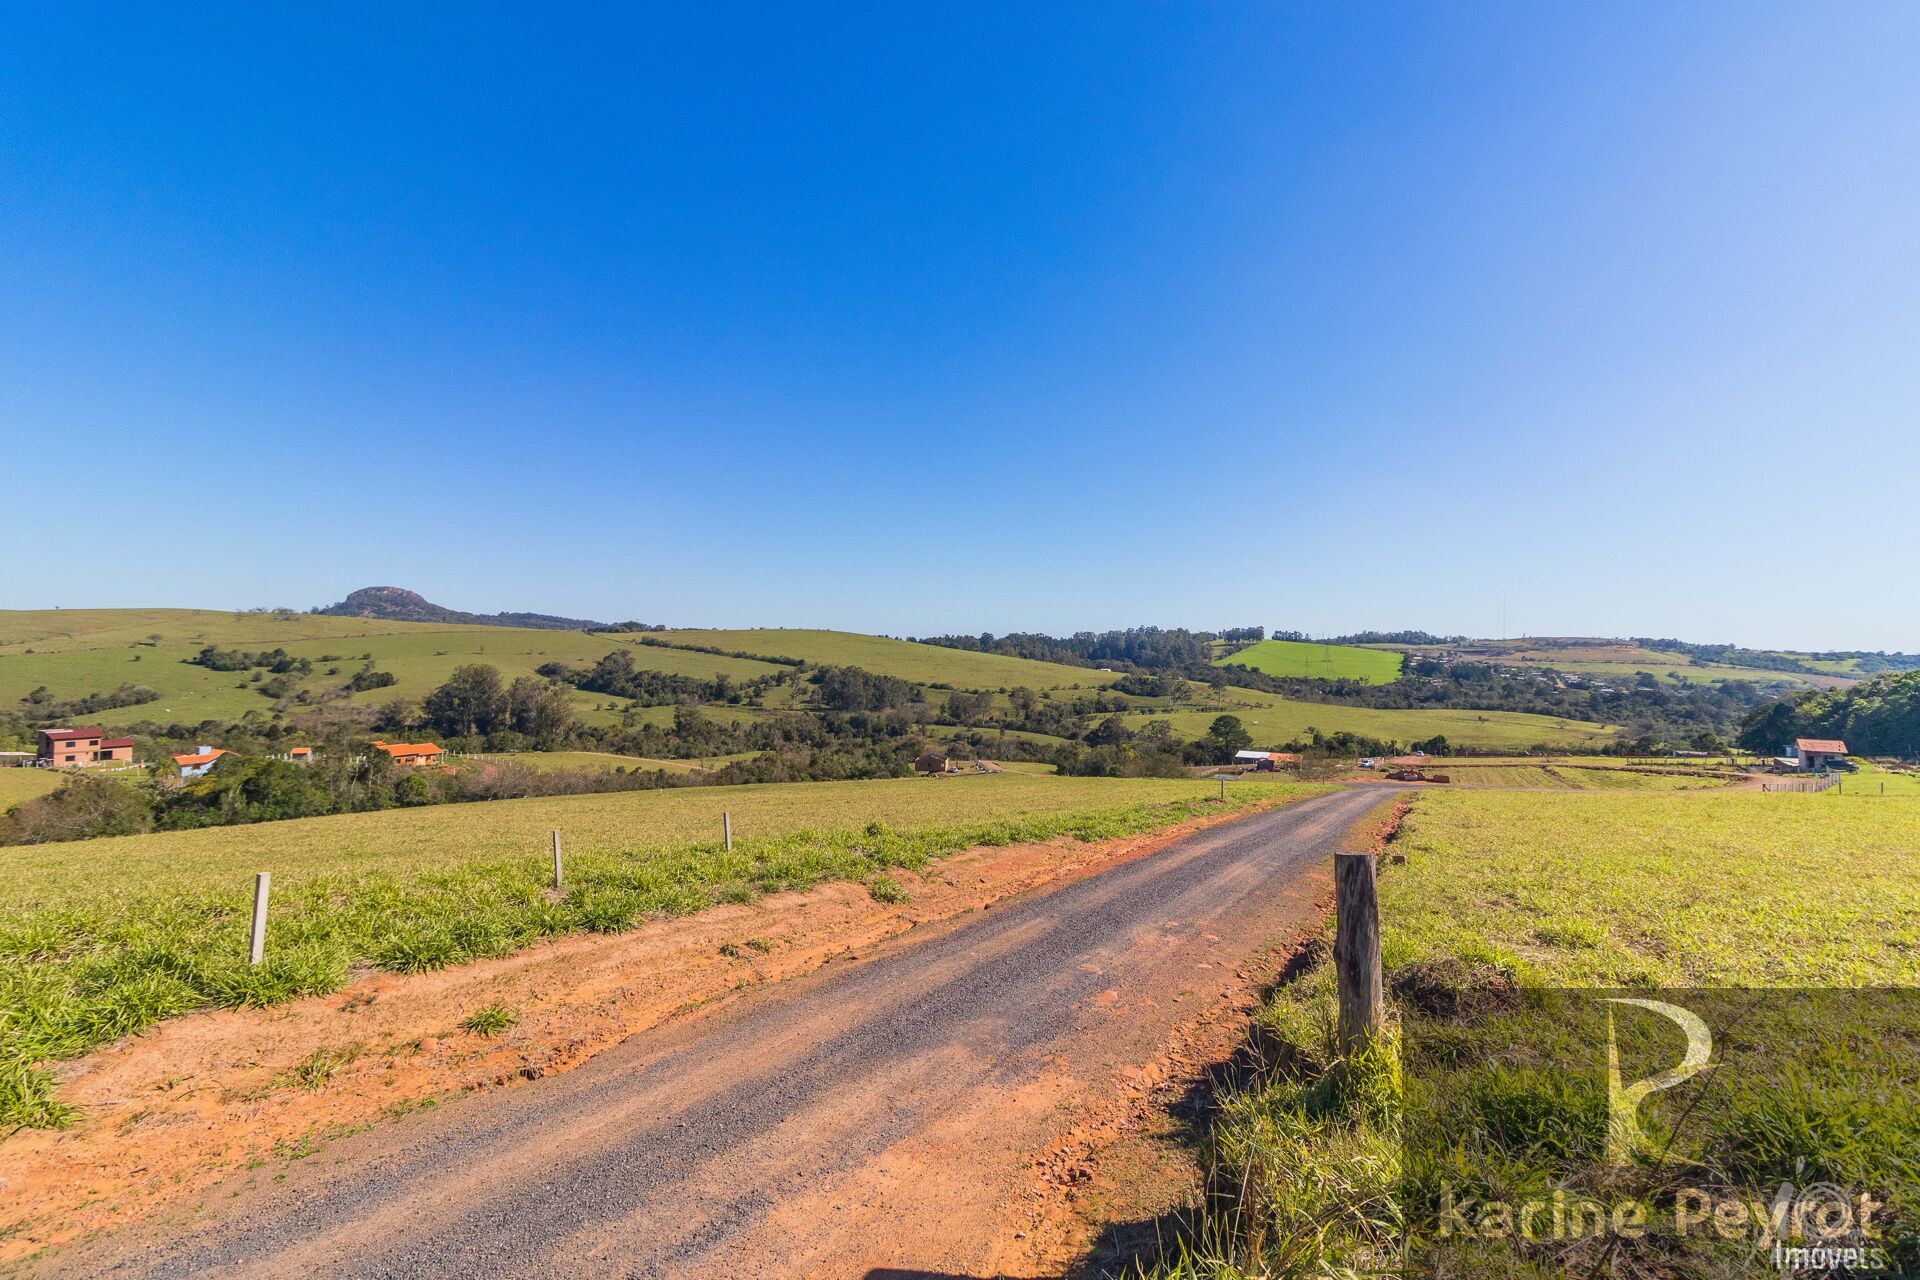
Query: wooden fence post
column 726, row 828
column 558, row 878
column 258, row 951
column 1356, row 950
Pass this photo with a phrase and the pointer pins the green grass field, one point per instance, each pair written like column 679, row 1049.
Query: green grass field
column 1872, row 782
column 17, row 785
column 919, row 663
column 1273, row 720
column 1318, row 661
column 101, row 937
column 607, row 760
column 78, row 652
column 1504, row 897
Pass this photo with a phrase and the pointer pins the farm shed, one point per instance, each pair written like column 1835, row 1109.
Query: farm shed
column 59, row 748
column 932, row 762
column 1814, row 755
column 1265, row 761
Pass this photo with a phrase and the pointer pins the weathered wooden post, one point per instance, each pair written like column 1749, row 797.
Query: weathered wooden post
column 1356, row 950
column 1223, row 788
column 726, row 828
column 558, row 877
column 258, row 951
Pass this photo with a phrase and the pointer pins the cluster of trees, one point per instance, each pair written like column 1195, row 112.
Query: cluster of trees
column 276, row 661
column 618, row 675
column 245, row 790
column 1138, row 647
column 42, row 705
column 857, row 689
column 475, row 702
column 1867, row 662
column 1391, row 637
column 1878, row 717
column 1148, row 686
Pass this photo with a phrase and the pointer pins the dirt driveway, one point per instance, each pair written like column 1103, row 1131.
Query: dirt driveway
column 868, row 1120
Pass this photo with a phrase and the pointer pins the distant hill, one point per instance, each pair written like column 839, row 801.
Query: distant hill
column 397, row 604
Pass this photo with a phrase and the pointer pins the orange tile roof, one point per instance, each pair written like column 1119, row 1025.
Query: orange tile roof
column 198, row 757
column 1821, row 746
column 411, row 748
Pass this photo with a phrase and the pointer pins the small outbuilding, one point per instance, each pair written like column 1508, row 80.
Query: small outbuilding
column 1815, row 755
column 1265, row 761
column 933, row 762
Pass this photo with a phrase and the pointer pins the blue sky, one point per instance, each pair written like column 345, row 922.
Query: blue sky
column 909, row 319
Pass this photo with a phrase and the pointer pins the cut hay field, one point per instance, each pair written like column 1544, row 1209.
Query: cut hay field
column 1565, row 777
column 919, row 663
column 1273, row 720
column 17, row 785
column 1311, row 661
column 101, row 937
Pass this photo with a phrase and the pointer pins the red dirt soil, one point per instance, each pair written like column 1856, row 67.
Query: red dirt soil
column 172, row 1111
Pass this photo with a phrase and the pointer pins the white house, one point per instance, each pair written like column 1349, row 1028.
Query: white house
column 195, row 763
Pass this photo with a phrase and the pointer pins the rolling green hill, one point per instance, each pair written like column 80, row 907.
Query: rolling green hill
column 76, row 653
column 1273, row 720
column 920, row 663
column 1310, row 661
column 73, row 653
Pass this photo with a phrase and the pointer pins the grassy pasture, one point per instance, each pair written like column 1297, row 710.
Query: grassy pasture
column 919, row 663
column 1273, row 720
column 1521, row 893
column 1729, row 888
column 1872, row 781
column 553, row 761
column 1620, row 661
column 17, row 785
column 99, row 938
column 1318, row 661
column 77, row 652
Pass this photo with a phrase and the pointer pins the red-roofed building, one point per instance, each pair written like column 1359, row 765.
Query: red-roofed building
column 65, row 748
column 1816, row 755
column 412, row 754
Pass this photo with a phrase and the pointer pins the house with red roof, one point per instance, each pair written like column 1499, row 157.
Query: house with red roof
column 1815, row 755
column 77, row 748
column 412, row 754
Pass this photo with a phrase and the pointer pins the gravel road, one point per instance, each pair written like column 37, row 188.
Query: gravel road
column 876, row 1118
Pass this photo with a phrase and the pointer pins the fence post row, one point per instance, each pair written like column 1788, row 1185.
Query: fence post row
column 258, row 951
column 1356, row 950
